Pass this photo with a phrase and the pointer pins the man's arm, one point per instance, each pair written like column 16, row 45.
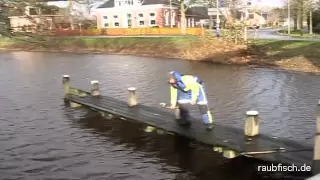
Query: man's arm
column 174, row 96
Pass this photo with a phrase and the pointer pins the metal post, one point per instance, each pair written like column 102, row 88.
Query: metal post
column 289, row 18
column 132, row 98
column 66, row 84
column 251, row 127
column 95, row 88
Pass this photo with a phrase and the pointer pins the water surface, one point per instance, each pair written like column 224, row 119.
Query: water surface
column 40, row 138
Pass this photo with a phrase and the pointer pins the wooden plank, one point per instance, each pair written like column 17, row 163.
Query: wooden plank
column 220, row 136
column 315, row 177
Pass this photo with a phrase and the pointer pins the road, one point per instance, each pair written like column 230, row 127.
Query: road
column 271, row 34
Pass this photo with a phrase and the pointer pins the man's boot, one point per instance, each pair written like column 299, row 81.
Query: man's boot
column 209, row 127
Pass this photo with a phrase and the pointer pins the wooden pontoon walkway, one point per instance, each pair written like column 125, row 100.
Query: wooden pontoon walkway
column 221, row 136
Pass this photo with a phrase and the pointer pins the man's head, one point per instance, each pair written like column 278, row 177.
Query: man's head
column 172, row 79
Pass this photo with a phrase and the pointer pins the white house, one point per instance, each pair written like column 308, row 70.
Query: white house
column 144, row 13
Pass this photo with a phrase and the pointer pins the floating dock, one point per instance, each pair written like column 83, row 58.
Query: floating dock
column 231, row 142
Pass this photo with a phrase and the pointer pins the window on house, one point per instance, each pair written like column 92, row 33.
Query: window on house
column 116, row 24
column 106, row 24
column 33, row 11
column 152, row 14
column 153, row 22
column 115, row 17
column 140, row 15
column 166, row 17
column 141, row 23
column 129, row 15
column 105, row 17
column 129, row 23
column 251, row 16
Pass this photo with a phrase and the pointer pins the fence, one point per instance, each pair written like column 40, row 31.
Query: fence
column 128, row 32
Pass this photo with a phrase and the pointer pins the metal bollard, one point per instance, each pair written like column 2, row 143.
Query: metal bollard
column 251, row 127
column 66, row 84
column 95, row 88
column 132, row 97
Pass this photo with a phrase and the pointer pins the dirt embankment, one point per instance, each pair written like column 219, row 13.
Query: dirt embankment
column 293, row 55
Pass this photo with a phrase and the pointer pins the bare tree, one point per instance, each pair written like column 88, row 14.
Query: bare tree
column 184, row 5
column 312, row 6
column 276, row 15
column 90, row 4
column 300, row 11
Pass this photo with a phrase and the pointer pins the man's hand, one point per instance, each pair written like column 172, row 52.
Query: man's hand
column 193, row 102
column 172, row 107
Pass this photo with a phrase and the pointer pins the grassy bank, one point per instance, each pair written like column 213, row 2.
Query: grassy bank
column 297, row 34
column 297, row 55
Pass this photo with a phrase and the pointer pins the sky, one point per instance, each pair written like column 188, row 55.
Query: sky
column 274, row 3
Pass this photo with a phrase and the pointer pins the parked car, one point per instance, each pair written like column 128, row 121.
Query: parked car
column 255, row 26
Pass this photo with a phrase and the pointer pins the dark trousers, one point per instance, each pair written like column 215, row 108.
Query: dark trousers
column 185, row 115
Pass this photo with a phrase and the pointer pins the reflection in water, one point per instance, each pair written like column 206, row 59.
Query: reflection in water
column 38, row 142
column 176, row 154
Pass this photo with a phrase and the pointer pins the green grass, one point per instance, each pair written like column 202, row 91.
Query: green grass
column 296, row 33
column 4, row 41
column 275, row 49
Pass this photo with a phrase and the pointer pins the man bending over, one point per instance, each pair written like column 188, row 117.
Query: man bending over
column 188, row 89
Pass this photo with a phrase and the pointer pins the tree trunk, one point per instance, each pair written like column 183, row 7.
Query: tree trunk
column 301, row 18
column 298, row 21
column 295, row 23
column 183, row 18
column 70, row 15
column 310, row 22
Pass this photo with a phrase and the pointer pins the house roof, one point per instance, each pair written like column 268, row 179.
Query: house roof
column 201, row 12
column 108, row 4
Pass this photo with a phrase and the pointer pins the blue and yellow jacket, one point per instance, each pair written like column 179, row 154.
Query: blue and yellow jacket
column 187, row 87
